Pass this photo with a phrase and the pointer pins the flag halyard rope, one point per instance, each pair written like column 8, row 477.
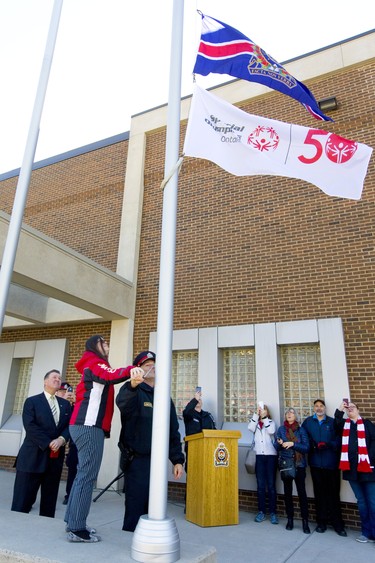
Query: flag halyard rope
column 175, row 168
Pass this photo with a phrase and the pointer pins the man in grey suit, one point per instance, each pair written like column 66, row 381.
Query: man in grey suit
column 40, row 460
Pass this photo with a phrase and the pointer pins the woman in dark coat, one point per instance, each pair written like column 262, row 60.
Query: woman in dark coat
column 293, row 441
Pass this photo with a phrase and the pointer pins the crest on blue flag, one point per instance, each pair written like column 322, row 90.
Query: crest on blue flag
column 224, row 50
column 261, row 64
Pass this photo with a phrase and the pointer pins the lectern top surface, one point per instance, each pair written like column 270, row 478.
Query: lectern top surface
column 215, row 434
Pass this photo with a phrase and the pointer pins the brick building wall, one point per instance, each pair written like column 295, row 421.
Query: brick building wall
column 78, row 201
column 264, row 249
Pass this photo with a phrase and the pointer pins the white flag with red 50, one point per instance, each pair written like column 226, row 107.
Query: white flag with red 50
column 246, row 145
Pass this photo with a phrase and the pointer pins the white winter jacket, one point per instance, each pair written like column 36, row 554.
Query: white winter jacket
column 264, row 436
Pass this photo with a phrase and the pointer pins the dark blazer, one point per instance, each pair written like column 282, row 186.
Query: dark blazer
column 41, row 429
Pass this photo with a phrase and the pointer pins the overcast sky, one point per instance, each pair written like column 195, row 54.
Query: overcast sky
column 112, row 59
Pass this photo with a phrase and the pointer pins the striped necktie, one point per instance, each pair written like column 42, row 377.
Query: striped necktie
column 54, row 409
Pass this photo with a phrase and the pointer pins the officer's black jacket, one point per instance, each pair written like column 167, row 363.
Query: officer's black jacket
column 136, row 407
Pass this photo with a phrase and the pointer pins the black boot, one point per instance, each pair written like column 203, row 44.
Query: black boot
column 289, row 524
column 305, row 526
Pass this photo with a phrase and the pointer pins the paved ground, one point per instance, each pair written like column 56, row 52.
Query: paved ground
column 43, row 539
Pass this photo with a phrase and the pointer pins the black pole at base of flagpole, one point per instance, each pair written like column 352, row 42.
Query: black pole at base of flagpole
column 107, row 487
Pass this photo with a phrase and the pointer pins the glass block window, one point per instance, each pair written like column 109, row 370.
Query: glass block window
column 23, row 383
column 302, row 377
column 184, row 378
column 239, row 384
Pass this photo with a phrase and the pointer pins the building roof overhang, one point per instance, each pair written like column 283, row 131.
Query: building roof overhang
column 53, row 284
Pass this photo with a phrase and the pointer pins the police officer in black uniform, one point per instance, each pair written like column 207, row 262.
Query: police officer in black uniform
column 135, row 401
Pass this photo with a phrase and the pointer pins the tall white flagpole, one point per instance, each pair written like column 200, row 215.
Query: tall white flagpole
column 156, row 537
column 15, row 224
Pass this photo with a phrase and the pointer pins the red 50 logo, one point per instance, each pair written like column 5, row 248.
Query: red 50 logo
column 336, row 148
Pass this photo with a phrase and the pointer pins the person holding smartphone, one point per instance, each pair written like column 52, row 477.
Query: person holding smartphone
column 357, row 463
column 196, row 419
column 264, row 428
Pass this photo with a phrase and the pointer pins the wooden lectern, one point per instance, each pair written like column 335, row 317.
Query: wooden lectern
column 212, row 478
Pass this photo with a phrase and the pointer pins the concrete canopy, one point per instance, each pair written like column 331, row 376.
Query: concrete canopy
column 52, row 284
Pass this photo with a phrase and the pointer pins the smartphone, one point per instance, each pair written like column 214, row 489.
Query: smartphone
column 346, row 402
column 70, row 389
column 261, row 404
column 198, row 389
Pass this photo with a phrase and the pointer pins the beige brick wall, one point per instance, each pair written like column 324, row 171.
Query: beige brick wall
column 78, row 201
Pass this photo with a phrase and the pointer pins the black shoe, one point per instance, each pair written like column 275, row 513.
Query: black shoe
column 305, row 527
column 341, row 532
column 289, row 525
column 321, row 529
column 89, row 529
column 65, row 501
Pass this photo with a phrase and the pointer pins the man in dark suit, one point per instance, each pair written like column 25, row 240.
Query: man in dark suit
column 40, row 460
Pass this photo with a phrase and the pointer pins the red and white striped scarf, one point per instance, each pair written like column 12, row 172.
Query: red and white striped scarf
column 363, row 458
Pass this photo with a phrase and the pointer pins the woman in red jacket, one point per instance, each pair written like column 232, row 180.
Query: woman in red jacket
column 89, row 425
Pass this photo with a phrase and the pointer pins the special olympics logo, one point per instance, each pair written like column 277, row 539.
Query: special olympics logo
column 264, row 139
column 340, row 150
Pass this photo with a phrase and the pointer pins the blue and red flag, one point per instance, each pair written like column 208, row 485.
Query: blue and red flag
column 224, row 50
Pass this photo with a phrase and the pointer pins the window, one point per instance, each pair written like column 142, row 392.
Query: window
column 16, row 392
column 239, row 384
column 184, row 378
column 296, row 362
column 22, row 389
column 302, row 377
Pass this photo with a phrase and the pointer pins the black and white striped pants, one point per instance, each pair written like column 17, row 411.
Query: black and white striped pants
column 90, row 444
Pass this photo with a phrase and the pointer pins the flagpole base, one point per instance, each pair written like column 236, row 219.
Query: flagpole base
column 156, row 540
